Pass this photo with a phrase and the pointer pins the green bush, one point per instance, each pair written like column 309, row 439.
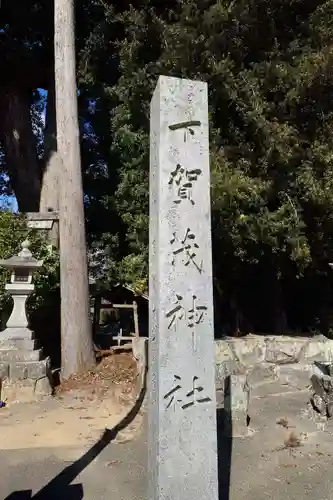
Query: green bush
column 13, row 231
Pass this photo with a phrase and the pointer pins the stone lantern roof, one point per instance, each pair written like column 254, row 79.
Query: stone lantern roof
column 24, row 259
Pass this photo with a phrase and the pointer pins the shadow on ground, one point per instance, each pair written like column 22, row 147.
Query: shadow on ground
column 60, row 486
column 224, row 451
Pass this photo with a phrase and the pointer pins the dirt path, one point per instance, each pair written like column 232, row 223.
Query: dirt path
column 79, row 414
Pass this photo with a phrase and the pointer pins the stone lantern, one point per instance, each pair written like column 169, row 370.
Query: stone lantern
column 23, row 266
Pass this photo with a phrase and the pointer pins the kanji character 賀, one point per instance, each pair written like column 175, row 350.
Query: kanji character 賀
column 183, row 180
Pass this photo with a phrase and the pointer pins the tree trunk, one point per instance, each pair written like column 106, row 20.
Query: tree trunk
column 49, row 198
column 76, row 332
column 20, row 149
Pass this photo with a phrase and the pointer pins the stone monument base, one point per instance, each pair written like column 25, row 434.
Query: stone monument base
column 24, row 375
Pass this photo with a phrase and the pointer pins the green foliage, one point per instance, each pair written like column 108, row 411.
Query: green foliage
column 268, row 67
column 13, row 231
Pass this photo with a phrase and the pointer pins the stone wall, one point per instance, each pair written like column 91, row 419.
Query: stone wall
column 291, row 360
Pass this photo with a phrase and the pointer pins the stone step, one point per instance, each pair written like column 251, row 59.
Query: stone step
column 34, row 370
column 10, row 355
column 19, row 344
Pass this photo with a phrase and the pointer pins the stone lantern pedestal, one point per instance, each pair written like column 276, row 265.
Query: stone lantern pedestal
column 24, row 373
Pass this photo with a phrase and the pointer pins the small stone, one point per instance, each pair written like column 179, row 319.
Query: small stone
column 249, row 351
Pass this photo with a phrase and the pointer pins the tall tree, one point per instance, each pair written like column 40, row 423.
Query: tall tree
column 76, row 335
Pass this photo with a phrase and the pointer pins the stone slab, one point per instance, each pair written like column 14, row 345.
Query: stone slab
column 182, row 443
column 10, row 355
column 4, row 370
column 39, row 369
column 20, row 344
column 34, row 370
column 24, row 391
column 16, row 333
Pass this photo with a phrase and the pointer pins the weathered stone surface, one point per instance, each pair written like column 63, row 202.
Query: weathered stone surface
column 261, row 374
column 236, row 404
column 19, row 344
column 11, row 355
column 322, row 399
column 223, row 352
column 18, row 370
column 319, row 349
column 34, row 370
column 229, row 367
column 17, row 333
column 43, row 387
column 20, row 391
column 182, row 441
column 283, row 352
column 250, row 351
column 236, row 393
column 296, row 376
column 25, row 390
column 39, row 369
column 4, row 370
column 318, row 404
